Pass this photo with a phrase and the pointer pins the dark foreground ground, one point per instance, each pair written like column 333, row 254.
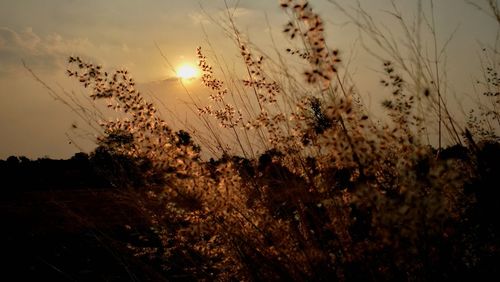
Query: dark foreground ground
column 78, row 235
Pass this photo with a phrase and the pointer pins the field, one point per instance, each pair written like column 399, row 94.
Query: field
column 77, row 235
column 285, row 175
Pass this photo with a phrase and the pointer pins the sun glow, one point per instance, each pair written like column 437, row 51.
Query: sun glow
column 187, row 72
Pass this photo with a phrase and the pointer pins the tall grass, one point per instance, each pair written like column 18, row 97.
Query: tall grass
column 306, row 185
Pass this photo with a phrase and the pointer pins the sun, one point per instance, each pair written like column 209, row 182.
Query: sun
column 187, row 72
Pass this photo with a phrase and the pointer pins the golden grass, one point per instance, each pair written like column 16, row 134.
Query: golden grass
column 320, row 191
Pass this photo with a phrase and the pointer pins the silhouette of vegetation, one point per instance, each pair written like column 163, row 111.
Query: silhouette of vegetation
column 20, row 173
column 303, row 183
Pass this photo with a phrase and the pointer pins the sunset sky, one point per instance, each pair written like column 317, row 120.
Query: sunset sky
column 124, row 34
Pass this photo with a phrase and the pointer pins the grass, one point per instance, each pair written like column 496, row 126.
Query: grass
column 68, row 236
column 304, row 184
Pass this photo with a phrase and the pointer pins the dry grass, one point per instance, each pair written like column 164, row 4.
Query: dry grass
column 320, row 190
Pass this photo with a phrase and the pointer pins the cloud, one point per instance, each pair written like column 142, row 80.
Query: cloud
column 199, row 18
column 46, row 53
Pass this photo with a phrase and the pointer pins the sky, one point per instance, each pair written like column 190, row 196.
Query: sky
column 126, row 33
